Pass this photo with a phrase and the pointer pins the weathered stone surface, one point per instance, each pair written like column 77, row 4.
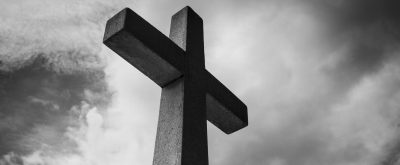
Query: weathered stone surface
column 190, row 94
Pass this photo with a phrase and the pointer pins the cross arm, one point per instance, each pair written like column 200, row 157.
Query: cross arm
column 144, row 47
column 224, row 109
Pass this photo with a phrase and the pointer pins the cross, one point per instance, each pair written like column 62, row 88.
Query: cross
column 190, row 94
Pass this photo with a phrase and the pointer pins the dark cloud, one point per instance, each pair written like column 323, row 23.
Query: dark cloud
column 358, row 13
column 368, row 31
column 38, row 104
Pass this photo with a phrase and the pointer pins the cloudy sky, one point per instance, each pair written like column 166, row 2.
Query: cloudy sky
column 321, row 79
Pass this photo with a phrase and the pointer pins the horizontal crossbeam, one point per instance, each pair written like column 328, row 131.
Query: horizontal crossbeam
column 144, row 47
column 224, row 109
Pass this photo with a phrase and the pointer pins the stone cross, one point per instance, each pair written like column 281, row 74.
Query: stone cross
column 190, row 94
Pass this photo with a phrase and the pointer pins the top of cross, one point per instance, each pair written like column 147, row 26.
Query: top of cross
column 163, row 61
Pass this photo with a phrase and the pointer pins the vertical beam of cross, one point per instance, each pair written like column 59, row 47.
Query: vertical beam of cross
column 182, row 128
column 190, row 94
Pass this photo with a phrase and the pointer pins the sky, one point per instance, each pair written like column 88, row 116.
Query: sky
column 320, row 78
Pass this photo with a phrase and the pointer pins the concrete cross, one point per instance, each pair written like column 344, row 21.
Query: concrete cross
column 190, row 94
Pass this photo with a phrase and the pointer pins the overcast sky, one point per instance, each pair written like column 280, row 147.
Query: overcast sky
column 320, row 78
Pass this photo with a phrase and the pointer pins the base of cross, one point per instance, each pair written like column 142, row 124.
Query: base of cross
column 190, row 94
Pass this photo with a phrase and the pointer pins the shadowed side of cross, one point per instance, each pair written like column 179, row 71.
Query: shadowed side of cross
column 190, row 94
